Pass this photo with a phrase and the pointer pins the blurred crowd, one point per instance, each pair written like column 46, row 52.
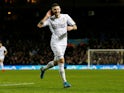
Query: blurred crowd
column 38, row 52
column 31, row 52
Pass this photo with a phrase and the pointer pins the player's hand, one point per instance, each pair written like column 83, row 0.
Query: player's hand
column 69, row 28
column 48, row 14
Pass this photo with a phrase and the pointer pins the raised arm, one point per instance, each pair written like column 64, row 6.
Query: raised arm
column 40, row 24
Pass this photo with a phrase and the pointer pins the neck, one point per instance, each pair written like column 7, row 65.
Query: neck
column 57, row 16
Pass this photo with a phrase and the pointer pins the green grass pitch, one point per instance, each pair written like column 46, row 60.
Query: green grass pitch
column 82, row 81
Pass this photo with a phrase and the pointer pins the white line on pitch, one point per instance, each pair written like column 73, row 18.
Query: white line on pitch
column 13, row 84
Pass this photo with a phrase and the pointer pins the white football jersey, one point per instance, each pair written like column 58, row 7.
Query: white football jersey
column 2, row 49
column 58, row 27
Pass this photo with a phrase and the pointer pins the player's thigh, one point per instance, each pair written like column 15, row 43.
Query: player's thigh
column 63, row 48
column 56, row 49
column 1, row 58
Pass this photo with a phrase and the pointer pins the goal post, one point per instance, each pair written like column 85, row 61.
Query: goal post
column 105, row 57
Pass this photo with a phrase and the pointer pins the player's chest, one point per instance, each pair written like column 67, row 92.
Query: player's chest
column 58, row 23
column 1, row 50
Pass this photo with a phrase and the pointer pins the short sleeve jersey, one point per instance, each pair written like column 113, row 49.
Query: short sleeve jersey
column 58, row 27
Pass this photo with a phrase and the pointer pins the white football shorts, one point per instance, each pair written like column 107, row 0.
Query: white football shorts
column 2, row 58
column 58, row 50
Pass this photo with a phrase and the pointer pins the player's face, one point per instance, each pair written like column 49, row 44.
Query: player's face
column 56, row 10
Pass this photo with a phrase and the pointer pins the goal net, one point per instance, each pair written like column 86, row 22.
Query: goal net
column 105, row 56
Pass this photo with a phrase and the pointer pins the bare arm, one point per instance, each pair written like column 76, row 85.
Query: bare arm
column 40, row 24
column 74, row 27
column 5, row 52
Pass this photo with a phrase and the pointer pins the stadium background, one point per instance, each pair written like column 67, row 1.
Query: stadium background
column 100, row 25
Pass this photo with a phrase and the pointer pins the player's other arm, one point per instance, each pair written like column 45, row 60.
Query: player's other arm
column 71, row 23
column 5, row 52
column 40, row 24
column 73, row 27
